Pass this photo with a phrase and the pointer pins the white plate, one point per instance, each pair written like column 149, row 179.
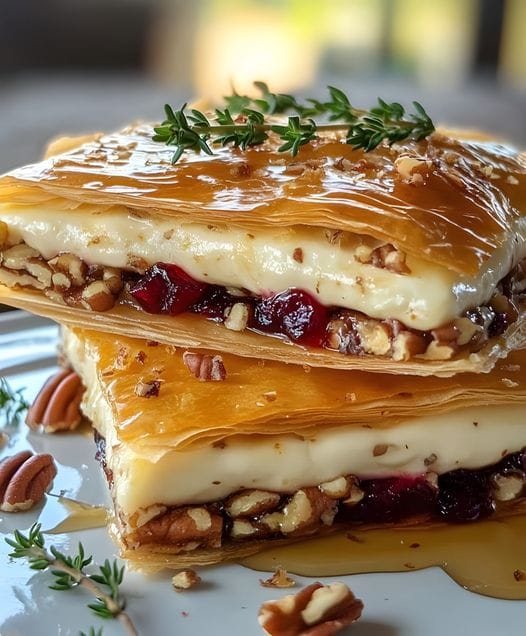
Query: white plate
column 424, row 603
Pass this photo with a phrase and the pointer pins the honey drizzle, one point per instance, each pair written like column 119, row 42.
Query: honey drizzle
column 80, row 516
column 487, row 557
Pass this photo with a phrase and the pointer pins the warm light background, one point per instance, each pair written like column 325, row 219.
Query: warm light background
column 80, row 65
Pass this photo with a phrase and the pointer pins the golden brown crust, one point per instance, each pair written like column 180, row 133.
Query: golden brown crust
column 303, row 402
column 453, row 207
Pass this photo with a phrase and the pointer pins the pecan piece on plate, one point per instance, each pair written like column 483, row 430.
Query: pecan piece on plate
column 57, row 405
column 280, row 578
column 24, row 478
column 185, row 579
column 317, row 610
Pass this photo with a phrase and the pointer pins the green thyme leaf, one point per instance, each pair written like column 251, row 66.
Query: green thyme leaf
column 12, row 403
column 243, row 123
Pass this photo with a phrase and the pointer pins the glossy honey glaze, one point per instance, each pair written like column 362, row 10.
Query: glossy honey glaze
column 79, row 516
column 487, row 557
column 465, row 205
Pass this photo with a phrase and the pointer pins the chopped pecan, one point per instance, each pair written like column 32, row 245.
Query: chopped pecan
column 237, row 317
column 356, row 494
column 38, row 268
column 437, row 351
column 353, row 333
column 242, row 529
column 250, row 503
column 297, row 255
column 16, row 278
column 147, row 514
column 148, row 388
column 446, row 335
column 380, row 449
column 112, row 278
column 24, row 478
column 412, row 169
column 71, row 267
column 385, row 257
column 183, row 526
column 57, row 405
column 138, row 263
column 280, row 579
column 317, row 610
column 509, row 485
column 185, row 580
column 243, row 169
column 337, row 488
column 60, row 282
column 16, row 257
column 205, row 367
column 407, row 344
column 307, row 509
column 342, row 334
column 467, row 330
column 97, row 296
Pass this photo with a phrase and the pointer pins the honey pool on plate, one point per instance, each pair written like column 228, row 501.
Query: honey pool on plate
column 487, row 557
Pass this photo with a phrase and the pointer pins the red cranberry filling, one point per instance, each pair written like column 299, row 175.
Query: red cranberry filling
column 293, row 313
column 462, row 495
column 167, row 289
column 214, row 302
column 391, row 499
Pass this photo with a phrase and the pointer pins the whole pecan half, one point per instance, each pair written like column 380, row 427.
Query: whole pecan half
column 57, row 405
column 24, row 478
column 317, row 610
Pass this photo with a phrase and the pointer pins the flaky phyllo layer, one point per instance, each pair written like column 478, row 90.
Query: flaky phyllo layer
column 408, row 258
column 216, row 460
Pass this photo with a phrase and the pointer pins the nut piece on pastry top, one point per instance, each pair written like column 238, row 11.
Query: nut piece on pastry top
column 408, row 258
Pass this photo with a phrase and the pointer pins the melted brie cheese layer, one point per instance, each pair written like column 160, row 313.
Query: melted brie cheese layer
column 465, row 438
column 262, row 262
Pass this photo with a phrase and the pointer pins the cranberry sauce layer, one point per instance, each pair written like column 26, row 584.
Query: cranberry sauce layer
column 458, row 496
column 297, row 316
column 292, row 314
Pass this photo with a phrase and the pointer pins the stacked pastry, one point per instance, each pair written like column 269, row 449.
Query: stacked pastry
column 275, row 347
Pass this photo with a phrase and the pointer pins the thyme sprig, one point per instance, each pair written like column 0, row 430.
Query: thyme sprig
column 12, row 403
column 69, row 572
column 242, row 122
column 92, row 632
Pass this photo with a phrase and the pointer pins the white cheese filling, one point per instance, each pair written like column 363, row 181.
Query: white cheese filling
column 265, row 261
column 466, row 438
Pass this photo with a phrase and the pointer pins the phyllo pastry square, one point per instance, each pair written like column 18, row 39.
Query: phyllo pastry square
column 211, row 457
column 406, row 259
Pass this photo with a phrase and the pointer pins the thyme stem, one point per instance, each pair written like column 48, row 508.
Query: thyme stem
column 193, row 130
column 69, row 573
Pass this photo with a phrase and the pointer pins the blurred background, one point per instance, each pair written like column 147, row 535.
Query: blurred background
column 71, row 66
